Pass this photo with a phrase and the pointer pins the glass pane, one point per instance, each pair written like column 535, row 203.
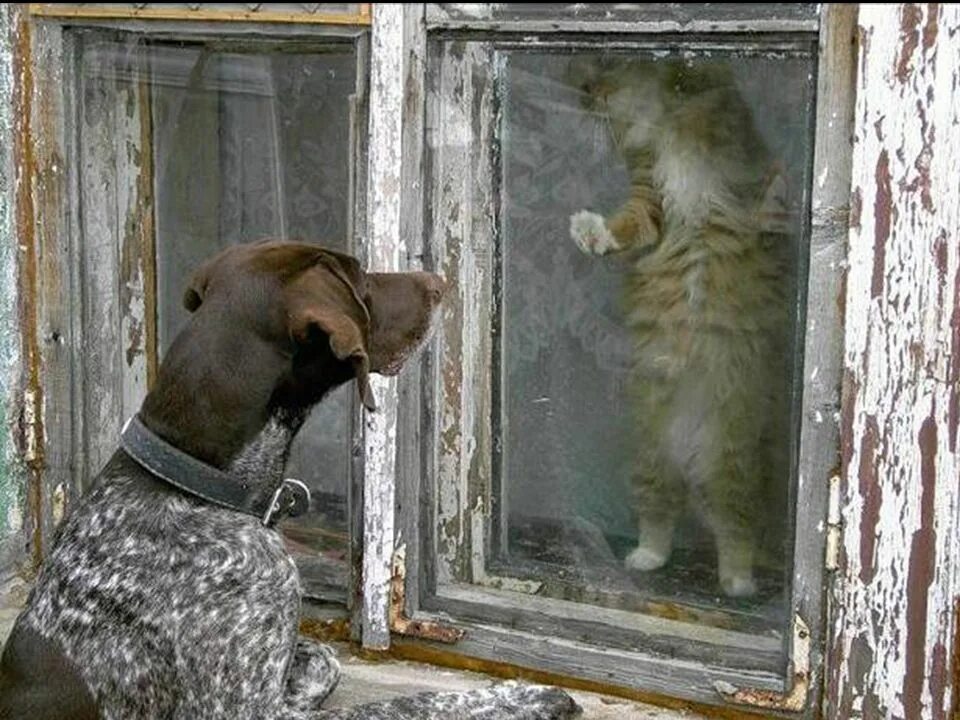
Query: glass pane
column 653, row 224
column 249, row 144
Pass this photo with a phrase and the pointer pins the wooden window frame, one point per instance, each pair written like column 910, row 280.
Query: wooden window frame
column 452, row 623
column 97, row 308
column 392, row 582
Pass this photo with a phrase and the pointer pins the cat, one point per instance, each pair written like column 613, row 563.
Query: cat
column 706, row 301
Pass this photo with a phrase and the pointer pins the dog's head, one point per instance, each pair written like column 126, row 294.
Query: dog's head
column 327, row 317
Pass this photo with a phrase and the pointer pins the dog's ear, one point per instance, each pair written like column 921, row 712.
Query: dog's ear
column 346, row 342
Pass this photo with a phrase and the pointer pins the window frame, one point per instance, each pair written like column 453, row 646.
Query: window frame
column 391, row 573
column 450, row 622
column 93, row 373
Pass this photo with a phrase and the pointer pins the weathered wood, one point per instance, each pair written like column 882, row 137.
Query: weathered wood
column 385, row 252
column 607, row 628
column 658, row 18
column 137, row 255
column 818, row 446
column 410, row 436
column 53, row 311
column 11, row 470
column 893, row 620
column 460, row 132
column 115, row 242
column 230, row 12
column 357, row 234
column 97, row 235
column 656, row 675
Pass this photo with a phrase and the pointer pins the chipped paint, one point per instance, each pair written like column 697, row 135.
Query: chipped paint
column 900, row 502
column 11, row 474
column 29, row 410
column 387, row 252
column 461, row 110
column 796, row 695
column 137, row 256
column 400, row 623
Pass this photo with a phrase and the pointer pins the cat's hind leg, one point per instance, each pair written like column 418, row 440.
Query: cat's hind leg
column 658, row 485
column 728, row 494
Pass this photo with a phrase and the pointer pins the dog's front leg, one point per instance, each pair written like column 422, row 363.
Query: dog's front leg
column 313, row 675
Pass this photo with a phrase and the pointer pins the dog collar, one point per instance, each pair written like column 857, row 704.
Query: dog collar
column 197, row 478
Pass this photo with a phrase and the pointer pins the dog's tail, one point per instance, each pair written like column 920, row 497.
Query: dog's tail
column 505, row 701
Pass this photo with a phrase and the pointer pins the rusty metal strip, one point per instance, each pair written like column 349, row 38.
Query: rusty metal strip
column 795, row 696
column 30, row 422
column 103, row 12
column 148, row 254
column 400, row 623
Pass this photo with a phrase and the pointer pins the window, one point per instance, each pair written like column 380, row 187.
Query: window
column 613, row 462
column 188, row 143
column 624, row 472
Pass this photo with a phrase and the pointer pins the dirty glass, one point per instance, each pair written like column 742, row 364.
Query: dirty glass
column 648, row 294
column 248, row 142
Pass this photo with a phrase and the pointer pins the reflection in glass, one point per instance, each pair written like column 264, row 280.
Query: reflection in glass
column 247, row 145
column 651, row 238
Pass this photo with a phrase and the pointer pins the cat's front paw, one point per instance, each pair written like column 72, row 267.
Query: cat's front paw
column 590, row 233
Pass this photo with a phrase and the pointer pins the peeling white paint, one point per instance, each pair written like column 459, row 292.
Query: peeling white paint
column 893, row 624
column 461, row 222
column 387, row 252
column 11, row 478
column 14, row 519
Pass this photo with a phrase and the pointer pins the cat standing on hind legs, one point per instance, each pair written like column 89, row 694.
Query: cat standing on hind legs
column 705, row 301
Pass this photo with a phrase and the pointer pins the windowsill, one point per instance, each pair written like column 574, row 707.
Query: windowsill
column 368, row 681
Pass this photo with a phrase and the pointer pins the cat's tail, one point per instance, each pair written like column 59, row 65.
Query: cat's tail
column 504, row 701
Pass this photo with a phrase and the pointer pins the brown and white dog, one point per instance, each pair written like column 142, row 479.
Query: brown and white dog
column 167, row 598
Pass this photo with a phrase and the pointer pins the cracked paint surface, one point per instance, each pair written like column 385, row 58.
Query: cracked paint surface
column 894, row 596
column 11, row 478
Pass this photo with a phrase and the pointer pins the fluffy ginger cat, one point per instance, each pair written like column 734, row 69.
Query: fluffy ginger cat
column 706, row 301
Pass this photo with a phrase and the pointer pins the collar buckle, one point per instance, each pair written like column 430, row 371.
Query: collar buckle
column 291, row 499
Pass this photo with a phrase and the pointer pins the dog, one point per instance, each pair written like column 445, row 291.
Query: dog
column 168, row 592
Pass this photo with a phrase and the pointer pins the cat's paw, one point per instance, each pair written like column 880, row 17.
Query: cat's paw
column 590, row 233
column 645, row 559
column 738, row 585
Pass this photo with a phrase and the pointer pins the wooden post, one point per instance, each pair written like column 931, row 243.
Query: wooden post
column 893, row 600
column 386, row 251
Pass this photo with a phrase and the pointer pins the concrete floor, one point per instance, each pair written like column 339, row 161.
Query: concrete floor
column 366, row 681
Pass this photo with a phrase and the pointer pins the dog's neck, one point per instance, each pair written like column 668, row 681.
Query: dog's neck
column 227, row 418
column 261, row 461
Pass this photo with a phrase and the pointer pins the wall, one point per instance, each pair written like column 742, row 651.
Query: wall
column 894, row 619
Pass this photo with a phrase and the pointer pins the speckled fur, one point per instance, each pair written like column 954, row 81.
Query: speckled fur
column 173, row 608
column 169, row 607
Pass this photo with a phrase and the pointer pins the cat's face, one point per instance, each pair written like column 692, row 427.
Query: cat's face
column 599, row 78
column 603, row 80
column 624, row 91
column 633, row 94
